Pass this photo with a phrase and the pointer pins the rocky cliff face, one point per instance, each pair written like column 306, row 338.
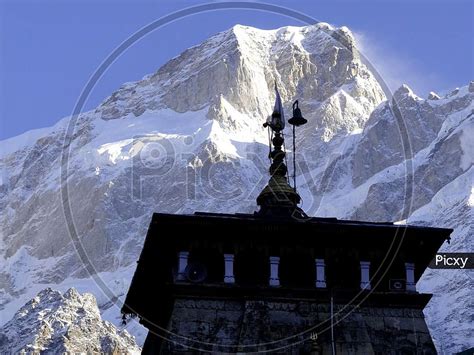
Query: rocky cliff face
column 189, row 138
column 63, row 323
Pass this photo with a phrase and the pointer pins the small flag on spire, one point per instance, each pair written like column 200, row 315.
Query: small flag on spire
column 277, row 119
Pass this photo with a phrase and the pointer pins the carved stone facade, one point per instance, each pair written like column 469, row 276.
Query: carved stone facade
column 294, row 327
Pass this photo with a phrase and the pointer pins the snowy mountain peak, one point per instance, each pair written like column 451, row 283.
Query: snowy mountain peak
column 242, row 64
column 63, row 323
column 189, row 137
column 433, row 96
column 403, row 92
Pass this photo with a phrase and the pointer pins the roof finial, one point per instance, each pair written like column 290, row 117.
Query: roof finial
column 278, row 198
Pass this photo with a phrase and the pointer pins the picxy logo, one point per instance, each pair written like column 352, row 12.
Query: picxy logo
column 452, row 261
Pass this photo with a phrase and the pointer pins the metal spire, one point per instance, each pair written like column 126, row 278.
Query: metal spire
column 278, row 198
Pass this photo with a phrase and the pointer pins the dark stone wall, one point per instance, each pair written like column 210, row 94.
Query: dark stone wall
column 290, row 327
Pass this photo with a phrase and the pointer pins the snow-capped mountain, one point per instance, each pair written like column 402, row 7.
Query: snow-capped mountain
column 68, row 323
column 190, row 138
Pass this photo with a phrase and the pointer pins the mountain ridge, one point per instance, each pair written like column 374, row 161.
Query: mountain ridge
column 172, row 142
column 68, row 322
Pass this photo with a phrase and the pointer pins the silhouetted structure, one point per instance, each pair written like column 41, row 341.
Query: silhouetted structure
column 271, row 281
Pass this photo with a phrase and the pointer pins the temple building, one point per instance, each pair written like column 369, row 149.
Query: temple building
column 281, row 282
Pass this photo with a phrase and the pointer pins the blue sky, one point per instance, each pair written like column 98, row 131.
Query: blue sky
column 50, row 48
